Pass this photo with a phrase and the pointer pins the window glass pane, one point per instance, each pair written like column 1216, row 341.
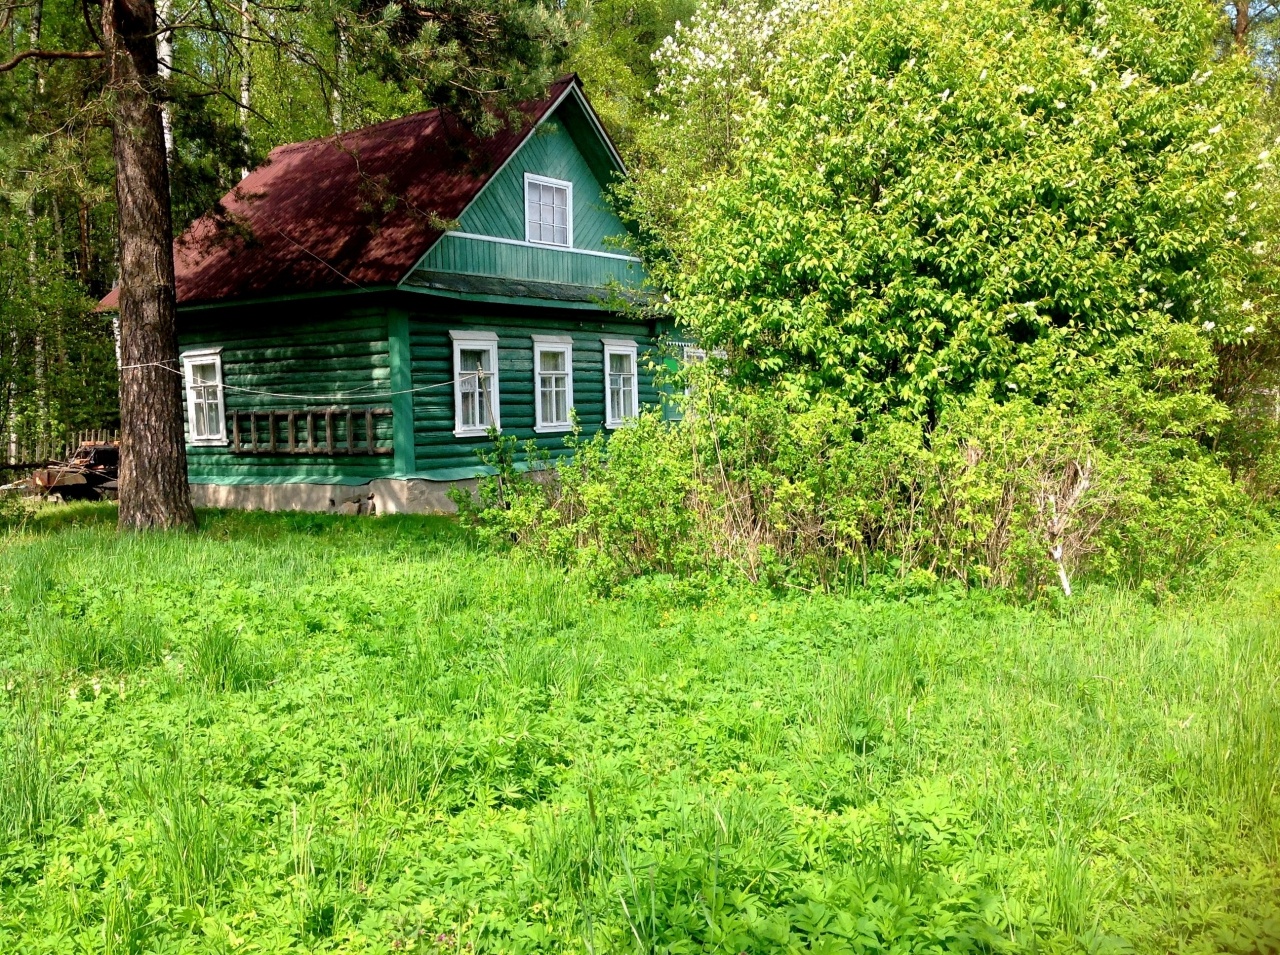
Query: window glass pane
column 548, row 213
column 204, row 372
column 619, row 364
column 474, row 358
column 552, row 360
column 209, row 426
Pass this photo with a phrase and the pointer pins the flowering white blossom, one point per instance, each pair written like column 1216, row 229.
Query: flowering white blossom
column 1127, row 78
column 1249, row 329
column 1246, row 306
column 1209, row 326
column 714, row 68
column 1217, row 129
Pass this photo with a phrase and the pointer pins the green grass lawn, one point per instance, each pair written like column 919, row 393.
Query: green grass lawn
column 298, row 733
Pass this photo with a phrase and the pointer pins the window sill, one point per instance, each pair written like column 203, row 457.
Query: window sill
column 553, row 428
column 208, row 442
column 472, row 432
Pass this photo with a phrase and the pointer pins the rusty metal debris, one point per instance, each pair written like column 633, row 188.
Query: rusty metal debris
column 91, row 473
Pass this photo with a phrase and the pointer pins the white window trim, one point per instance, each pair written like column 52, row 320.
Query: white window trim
column 203, row 356
column 530, row 177
column 691, row 354
column 473, row 340
column 552, row 343
column 621, row 346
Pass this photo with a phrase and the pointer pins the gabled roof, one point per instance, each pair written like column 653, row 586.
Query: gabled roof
column 351, row 211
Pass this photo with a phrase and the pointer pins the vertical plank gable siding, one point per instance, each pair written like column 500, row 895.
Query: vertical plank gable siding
column 437, row 449
column 327, row 353
column 473, row 257
column 550, row 151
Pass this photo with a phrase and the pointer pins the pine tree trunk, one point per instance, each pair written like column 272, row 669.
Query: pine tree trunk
column 1241, row 26
column 153, row 457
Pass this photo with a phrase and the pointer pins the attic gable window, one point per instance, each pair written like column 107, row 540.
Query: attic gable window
column 202, row 375
column 548, row 210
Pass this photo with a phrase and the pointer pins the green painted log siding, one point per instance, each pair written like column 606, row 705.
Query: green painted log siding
column 322, row 356
column 438, row 452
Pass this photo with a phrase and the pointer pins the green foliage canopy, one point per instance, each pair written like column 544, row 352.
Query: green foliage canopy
column 928, row 199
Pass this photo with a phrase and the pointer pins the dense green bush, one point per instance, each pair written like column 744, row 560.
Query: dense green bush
column 994, row 287
column 1007, row 493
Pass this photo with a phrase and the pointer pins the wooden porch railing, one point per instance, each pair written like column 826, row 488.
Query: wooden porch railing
column 308, row 431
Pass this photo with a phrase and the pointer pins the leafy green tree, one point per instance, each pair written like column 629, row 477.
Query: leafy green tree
column 615, row 54
column 923, row 200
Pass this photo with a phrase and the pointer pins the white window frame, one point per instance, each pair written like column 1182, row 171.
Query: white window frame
column 204, row 356
column 692, row 354
column 474, row 341
column 530, row 178
column 621, row 346
column 543, row 344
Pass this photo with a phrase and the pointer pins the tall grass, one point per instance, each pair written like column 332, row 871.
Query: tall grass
column 346, row 735
column 193, row 846
column 121, row 639
column 32, row 752
column 224, row 660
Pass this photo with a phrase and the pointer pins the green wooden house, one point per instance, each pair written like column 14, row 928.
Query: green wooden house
column 360, row 311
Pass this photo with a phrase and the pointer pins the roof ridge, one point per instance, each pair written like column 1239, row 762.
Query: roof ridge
column 567, row 78
column 336, row 137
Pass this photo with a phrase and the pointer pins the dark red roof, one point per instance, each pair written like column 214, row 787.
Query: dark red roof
column 343, row 212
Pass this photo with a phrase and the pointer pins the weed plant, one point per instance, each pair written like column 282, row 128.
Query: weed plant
column 292, row 733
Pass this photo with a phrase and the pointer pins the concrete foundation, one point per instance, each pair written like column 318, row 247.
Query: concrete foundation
column 383, row 496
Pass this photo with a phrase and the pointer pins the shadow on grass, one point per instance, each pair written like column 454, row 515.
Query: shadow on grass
column 259, row 525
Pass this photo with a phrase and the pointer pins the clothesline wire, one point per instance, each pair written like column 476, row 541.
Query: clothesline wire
column 359, row 393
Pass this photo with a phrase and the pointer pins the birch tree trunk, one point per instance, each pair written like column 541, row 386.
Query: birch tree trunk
column 335, row 110
column 245, row 77
column 153, row 457
column 164, row 55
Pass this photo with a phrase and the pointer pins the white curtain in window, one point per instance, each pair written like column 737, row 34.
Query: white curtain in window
column 476, row 378
column 553, row 387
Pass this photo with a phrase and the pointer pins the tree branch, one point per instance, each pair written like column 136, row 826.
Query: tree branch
column 51, row 55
